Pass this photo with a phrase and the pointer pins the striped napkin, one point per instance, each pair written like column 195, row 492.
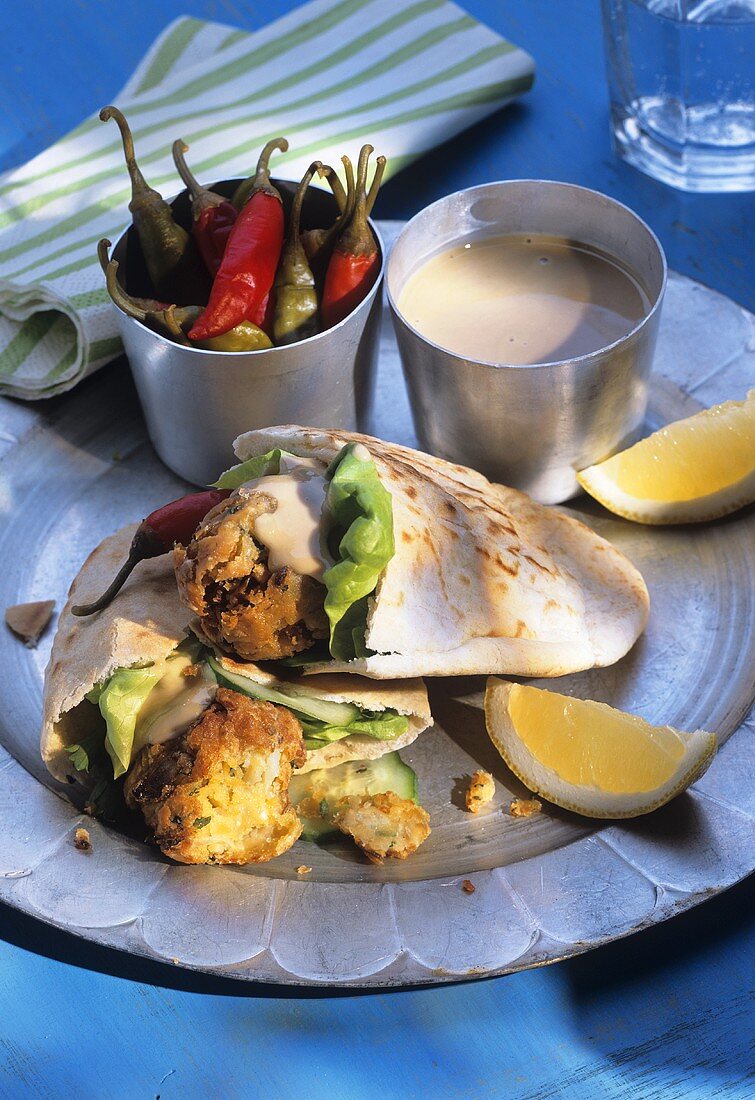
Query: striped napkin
column 328, row 75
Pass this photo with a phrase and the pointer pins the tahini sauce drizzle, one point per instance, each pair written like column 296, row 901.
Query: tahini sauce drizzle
column 293, row 532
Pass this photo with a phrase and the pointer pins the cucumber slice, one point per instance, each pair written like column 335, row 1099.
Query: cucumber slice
column 355, row 777
column 332, row 714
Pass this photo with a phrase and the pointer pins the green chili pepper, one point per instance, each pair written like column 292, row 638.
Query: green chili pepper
column 244, row 337
column 247, row 187
column 295, row 295
column 169, row 252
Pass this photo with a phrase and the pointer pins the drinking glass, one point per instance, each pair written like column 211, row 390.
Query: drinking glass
column 682, row 85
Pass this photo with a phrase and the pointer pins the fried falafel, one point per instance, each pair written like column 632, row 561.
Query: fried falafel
column 224, row 578
column 218, row 793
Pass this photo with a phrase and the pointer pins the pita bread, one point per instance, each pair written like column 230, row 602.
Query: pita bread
column 483, row 580
column 145, row 622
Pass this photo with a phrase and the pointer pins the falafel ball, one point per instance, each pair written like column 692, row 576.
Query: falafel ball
column 224, row 578
column 218, row 793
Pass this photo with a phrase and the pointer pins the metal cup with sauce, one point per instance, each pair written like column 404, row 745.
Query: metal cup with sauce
column 532, row 427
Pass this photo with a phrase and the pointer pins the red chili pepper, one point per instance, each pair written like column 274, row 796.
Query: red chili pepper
column 251, row 257
column 212, row 216
column 157, row 534
column 355, row 263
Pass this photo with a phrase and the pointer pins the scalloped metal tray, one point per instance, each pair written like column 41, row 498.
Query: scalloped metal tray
column 545, row 888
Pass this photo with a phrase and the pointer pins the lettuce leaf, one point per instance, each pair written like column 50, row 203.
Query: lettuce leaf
column 383, row 725
column 120, row 700
column 247, row 471
column 360, row 542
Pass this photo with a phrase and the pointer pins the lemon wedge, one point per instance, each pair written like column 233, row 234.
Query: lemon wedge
column 588, row 757
column 692, row 470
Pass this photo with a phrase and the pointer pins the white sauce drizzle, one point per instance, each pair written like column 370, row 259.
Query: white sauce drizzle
column 293, row 532
column 175, row 702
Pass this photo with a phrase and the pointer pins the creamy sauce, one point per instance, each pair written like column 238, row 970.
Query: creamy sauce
column 523, row 299
column 175, row 702
column 293, row 532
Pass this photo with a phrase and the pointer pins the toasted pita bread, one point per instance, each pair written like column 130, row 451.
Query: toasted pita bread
column 145, row 622
column 483, row 580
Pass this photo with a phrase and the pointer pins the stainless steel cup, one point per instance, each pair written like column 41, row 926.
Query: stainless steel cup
column 531, row 427
column 196, row 402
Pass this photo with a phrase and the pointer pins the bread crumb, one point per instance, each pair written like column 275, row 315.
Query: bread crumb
column 302, row 870
column 525, row 807
column 480, row 791
column 81, row 841
column 467, row 886
column 30, row 620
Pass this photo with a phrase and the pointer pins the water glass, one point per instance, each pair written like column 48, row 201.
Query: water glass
column 682, row 85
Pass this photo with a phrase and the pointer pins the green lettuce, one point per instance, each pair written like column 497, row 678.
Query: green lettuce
column 360, row 542
column 247, row 471
column 383, row 725
column 120, row 701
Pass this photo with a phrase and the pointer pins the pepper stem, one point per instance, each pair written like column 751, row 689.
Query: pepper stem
column 301, row 190
column 103, row 254
column 192, row 184
column 138, row 182
column 119, row 296
column 144, row 545
column 262, row 175
column 377, row 179
column 328, row 172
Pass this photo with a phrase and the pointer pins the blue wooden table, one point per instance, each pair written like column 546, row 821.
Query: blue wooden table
column 667, row 1013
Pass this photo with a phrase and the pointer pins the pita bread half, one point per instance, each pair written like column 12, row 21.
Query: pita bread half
column 483, row 580
column 145, row 622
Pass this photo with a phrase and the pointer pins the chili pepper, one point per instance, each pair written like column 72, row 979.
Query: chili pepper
column 212, row 215
column 157, row 534
column 149, row 305
column 318, row 243
column 245, row 336
column 355, row 263
column 169, row 252
column 251, row 257
column 295, row 294
column 151, row 313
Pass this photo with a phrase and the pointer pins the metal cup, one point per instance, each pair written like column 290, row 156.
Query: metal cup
column 196, row 402
column 531, row 427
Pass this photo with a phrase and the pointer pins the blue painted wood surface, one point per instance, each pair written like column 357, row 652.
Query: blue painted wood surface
column 665, row 1014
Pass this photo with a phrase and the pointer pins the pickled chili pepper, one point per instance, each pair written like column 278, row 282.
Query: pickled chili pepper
column 355, row 263
column 157, row 534
column 153, row 314
column 251, row 257
column 295, row 294
column 149, row 305
column 212, row 216
column 318, row 243
column 247, row 187
column 245, row 336
column 169, row 252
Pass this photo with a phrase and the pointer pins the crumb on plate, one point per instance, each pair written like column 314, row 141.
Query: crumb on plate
column 480, row 791
column 525, row 807
column 302, row 870
column 467, row 886
column 81, row 841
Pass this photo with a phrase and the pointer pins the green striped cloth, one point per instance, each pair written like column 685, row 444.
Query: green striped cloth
column 405, row 76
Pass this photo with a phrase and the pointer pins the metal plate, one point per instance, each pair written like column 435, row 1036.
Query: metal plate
column 546, row 887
